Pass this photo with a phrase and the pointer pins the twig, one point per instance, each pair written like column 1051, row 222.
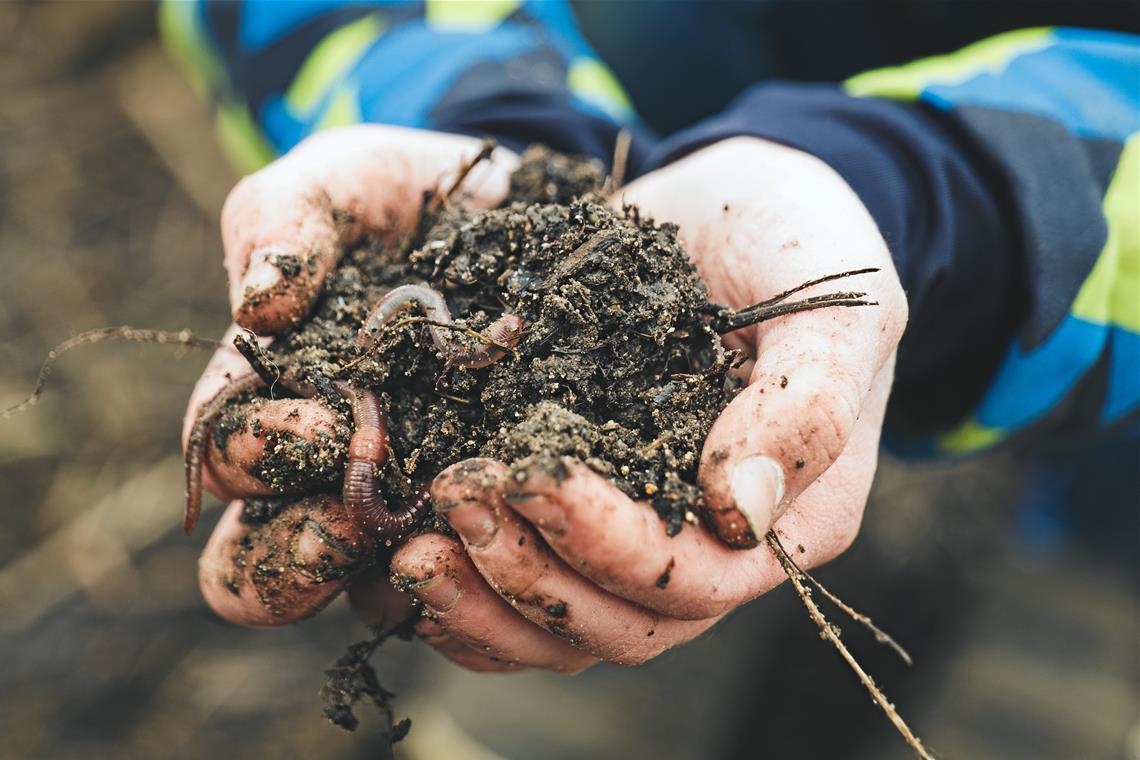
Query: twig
column 725, row 320
column 258, row 358
column 880, row 635
column 663, row 438
column 829, row 632
column 184, row 338
column 621, row 161
column 484, row 154
column 474, row 334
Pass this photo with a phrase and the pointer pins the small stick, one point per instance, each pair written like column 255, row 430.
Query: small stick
column 880, row 635
column 831, row 633
column 663, row 438
column 726, row 320
column 484, row 154
column 621, row 161
column 258, row 358
column 184, row 338
column 475, row 334
column 810, row 283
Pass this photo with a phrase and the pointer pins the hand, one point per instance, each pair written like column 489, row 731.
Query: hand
column 556, row 572
column 327, row 193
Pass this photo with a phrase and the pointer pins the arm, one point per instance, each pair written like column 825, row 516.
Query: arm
column 278, row 72
column 1004, row 180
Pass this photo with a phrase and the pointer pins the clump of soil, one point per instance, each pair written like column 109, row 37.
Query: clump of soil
column 616, row 365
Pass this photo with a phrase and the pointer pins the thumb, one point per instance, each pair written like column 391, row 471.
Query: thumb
column 284, row 226
column 778, row 436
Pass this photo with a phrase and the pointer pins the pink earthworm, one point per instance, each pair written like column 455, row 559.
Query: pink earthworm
column 199, row 436
column 200, row 432
column 503, row 334
column 367, row 451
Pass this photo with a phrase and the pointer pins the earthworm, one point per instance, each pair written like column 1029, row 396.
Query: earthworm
column 200, row 433
column 503, row 334
column 367, row 451
column 196, row 443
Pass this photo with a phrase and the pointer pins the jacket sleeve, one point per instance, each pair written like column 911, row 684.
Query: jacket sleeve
column 277, row 72
column 1004, row 179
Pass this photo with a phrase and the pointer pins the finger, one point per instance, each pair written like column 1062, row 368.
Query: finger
column 439, row 574
column 284, row 226
column 283, row 570
column 522, row 569
column 276, row 447
column 621, row 545
column 825, row 519
column 779, row 435
column 455, row 650
column 375, row 602
column 268, row 446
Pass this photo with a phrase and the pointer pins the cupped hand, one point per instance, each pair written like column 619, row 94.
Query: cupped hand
column 556, row 568
column 282, row 231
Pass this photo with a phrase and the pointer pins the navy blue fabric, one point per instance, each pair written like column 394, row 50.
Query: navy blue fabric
column 939, row 206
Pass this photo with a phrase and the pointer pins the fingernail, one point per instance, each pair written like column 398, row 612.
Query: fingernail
column 429, row 629
column 548, row 515
column 757, row 488
column 263, row 272
column 473, row 522
column 439, row 593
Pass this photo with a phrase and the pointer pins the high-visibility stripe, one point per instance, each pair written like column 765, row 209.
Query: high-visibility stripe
column 907, row 82
column 330, row 60
column 467, row 15
column 1111, row 294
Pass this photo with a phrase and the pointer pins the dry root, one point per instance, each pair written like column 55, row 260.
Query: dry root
column 829, row 631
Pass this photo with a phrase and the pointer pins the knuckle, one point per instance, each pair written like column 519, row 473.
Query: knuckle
column 240, row 198
column 833, row 397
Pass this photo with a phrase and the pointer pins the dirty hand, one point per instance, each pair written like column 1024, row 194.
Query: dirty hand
column 556, row 569
column 282, row 229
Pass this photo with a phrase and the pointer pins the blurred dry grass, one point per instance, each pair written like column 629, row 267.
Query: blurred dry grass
column 110, row 186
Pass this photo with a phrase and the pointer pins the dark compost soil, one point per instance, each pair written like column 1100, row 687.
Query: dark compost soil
column 617, row 366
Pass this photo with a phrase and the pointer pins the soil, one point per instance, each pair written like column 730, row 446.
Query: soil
column 617, row 365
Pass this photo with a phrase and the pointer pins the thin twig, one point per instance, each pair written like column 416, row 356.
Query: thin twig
column 484, row 154
column 725, row 320
column 831, row 633
column 880, row 635
column 737, row 320
column 183, row 338
column 258, row 358
column 621, row 161
column 473, row 334
column 817, row 281
column 663, row 438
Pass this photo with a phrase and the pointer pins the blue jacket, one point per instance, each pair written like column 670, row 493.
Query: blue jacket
column 1004, row 177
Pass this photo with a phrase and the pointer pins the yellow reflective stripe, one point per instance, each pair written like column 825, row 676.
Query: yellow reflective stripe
column 970, row 437
column 241, row 141
column 596, row 84
column 329, row 61
column 185, row 40
column 990, row 55
column 343, row 108
column 468, row 15
column 1111, row 294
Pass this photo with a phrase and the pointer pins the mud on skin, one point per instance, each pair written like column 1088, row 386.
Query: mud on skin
column 614, row 365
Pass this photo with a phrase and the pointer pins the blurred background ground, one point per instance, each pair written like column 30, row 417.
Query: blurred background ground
column 1023, row 622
